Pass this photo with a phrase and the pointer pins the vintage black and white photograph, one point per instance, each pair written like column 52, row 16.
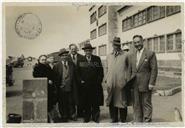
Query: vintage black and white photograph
column 93, row 63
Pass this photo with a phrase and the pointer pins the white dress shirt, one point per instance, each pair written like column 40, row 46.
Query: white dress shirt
column 75, row 58
column 88, row 59
column 139, row 54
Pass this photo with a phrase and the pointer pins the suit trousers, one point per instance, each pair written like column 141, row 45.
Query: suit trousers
column 66, row 104
column 93, row 111
column 114, row 113
column 142, row 106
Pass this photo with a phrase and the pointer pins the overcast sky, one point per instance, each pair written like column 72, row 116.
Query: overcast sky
column 61, row 25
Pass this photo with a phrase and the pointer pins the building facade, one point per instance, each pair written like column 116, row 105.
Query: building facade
column 161, row 27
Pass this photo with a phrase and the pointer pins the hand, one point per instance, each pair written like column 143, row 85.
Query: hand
column 108, row 89
column 82, row 82
column 50, row 82
column 62, row 86
column 151, row 87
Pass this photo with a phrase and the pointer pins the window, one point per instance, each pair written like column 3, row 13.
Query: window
column 93, row 18
column 148, row 15
column 94, row 51
column 102, row 30
column 93, row 34
column 172, row 10
column 139, row 18
column 162, row 44
column 156, row 12
column 102, row 50
column 145, row 43
column 155, row 44
column 170, row 42
column 178, row 41
column 150, row 44
column 174, row 42
column 102, row 10
column 126, row 24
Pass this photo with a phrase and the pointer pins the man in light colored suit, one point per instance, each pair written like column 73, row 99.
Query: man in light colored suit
column 143, row 68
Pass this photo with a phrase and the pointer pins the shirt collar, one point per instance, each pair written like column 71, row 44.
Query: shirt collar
column 74, row 55
column 65, row 61
column 89, row 58
column 119, row 52
column 141, row 51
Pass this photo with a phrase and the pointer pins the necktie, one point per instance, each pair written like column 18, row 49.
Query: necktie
column 65, row 64
column 116, row 53
column 88, row 59
column 73, row 57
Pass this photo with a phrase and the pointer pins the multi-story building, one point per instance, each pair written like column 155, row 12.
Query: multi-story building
column 161, row 26
column 103, row 28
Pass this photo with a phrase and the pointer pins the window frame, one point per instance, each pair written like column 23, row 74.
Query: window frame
column 160, row 17
column 174, row 42
column 99, row 47
column 95, row 34
column 138, row 18
column 103, row 12
column 159, row 48
column 167, row 13
column 105, row 29
column 94, row 13
column 131, row 24
column 147, row 17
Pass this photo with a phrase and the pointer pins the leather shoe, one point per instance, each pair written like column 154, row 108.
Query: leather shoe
column 86, row 120
column 114, row 121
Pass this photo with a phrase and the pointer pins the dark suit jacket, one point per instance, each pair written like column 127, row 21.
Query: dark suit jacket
column 58, row 69
column 146, row 72
column 92, row 75
column 77, row 70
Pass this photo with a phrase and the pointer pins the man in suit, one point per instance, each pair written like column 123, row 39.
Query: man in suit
column 91, row 80
column 64, row 81
column 76, row 58
column 143, row 68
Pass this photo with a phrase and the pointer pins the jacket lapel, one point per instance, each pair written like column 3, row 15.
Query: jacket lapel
column 143, row 56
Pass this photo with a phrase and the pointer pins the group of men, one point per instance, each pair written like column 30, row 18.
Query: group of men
column 130, row 77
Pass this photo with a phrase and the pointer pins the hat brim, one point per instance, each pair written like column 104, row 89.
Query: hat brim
column 60, row 54
column 116, row 43
column 88, row 48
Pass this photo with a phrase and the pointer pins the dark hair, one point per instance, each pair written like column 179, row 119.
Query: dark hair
column 138, row 36
column 72, row 45
column 41, row 56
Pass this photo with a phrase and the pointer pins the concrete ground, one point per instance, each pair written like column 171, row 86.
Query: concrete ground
column 163, row 107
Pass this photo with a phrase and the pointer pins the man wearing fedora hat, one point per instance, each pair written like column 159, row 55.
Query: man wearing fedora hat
column 64, row 81
column 91, row 82
column 116, row 80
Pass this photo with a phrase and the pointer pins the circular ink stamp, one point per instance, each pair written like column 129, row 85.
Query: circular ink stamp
column 28, row 25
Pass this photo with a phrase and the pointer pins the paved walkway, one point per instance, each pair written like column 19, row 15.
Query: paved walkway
column 163, row 107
